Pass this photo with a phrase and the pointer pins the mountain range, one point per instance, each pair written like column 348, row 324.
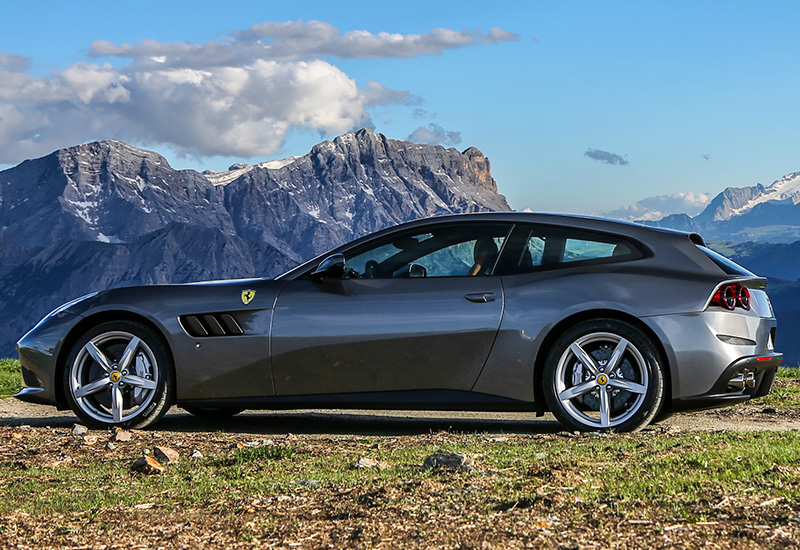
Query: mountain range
column 740, row 214
column 108, row 214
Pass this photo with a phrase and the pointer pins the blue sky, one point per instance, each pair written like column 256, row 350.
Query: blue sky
column 581, row 106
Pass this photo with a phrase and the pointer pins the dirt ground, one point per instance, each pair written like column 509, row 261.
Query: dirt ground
column 747, row 417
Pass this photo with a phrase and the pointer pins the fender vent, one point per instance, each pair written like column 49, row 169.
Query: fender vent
column 210, row 324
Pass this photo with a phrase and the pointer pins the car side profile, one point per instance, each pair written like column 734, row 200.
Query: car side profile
column 607, row 324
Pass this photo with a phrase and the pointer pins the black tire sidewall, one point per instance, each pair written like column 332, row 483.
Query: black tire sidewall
column 164, row 395
column 654, row 396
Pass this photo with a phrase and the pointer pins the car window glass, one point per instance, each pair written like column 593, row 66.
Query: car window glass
column 576, row 250
column 546, row 247
column 532, row 252
column 458, row 259
column 445, row 251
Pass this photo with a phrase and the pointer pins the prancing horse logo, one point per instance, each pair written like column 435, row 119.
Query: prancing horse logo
column 247, row 296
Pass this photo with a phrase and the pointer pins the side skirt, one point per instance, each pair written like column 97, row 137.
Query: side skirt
column 434, row 400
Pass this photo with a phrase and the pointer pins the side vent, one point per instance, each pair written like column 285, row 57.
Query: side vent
column 210, row 324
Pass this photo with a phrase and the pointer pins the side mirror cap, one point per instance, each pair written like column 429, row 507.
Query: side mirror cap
column 331, row 267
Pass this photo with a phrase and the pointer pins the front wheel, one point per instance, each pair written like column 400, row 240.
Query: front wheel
column 604, row 375
column 119, row 374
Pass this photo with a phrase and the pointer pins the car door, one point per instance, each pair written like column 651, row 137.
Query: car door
column 407, row 316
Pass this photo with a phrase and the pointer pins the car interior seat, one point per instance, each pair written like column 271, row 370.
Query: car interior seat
column 484, row 255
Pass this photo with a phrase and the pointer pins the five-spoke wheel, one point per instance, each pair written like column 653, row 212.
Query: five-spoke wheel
column 604, row 374
column 119, row 374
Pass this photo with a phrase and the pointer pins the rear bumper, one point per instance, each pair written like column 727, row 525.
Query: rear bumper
column 760, row 369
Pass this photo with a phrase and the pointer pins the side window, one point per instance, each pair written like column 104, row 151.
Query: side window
column 576, row 250
column 442, row 251
column 458, row 260
column 546, row 247
column 533, row 252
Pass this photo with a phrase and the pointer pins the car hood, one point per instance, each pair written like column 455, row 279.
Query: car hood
column 159, row 301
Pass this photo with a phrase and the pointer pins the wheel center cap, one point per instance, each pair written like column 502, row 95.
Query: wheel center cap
column 602, row 379
column 115, row 376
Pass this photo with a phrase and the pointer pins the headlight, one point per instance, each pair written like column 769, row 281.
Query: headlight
column 71, row 303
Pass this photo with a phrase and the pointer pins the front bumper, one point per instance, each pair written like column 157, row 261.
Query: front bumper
column 38, row 351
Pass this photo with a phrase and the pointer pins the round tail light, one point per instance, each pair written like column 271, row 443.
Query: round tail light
column 743, row 297
column 728, row 297
column 731, row 296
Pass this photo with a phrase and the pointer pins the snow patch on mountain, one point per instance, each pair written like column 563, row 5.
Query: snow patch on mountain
column 240, row 169
column 787, row 188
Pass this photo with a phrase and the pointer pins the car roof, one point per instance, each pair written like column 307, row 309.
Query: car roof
column 633, row 229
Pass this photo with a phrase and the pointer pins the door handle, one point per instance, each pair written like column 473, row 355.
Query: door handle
column 480, row 297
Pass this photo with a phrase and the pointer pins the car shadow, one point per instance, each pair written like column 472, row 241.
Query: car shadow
column 371, row 423
column 338, row 422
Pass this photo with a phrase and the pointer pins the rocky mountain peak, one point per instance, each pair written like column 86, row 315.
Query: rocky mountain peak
column 110, row 214
column 755, row 213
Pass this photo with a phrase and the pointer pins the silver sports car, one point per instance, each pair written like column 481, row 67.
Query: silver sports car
column 609, row 325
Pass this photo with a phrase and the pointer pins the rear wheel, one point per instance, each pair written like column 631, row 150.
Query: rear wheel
column 604, row 375
column 119, row 374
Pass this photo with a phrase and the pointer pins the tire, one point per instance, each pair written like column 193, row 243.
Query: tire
column 590, row 398
column 119, row 373
column 210, row 412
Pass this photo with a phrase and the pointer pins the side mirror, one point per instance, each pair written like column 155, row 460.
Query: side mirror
column 331, row 267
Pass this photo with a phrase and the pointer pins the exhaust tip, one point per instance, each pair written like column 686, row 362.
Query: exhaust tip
column 746, row 379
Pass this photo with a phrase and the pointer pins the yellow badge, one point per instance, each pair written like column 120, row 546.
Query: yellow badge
column 247, row 296
column 115, row 376
column 602, row 379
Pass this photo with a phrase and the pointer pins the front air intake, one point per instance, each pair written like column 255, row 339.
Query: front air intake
column 210, row 324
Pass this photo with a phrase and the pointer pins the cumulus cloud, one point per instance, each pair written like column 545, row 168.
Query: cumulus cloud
column 605, row 156
column 240, row 95
column 434, row 134
column 655, row 208
column 242, row 111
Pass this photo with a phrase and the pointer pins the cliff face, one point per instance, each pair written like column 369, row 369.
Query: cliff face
column 354, row 185
column 108, row 214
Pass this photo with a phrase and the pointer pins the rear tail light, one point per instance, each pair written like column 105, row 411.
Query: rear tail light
column 732, row 296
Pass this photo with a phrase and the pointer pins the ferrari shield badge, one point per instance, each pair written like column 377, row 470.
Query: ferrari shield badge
column 247, row 296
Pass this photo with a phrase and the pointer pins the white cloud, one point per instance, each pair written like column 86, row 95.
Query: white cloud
column 655, row 208
column 293, row 40
column 435, row 135
column 240, row 95
column 297, row 38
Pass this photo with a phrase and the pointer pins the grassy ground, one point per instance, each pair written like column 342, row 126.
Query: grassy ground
column 551, row 490
column 661, row 488
column 10, row 377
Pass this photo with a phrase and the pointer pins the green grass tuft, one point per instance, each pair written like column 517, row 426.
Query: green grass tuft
column 790, row 373
column 10, row 377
